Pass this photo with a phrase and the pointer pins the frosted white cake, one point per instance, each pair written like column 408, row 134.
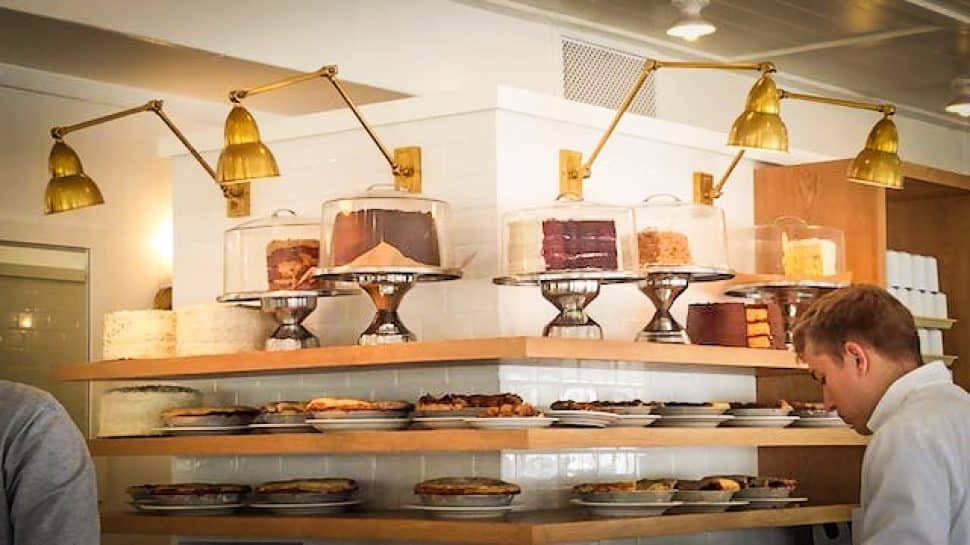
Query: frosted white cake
column 525, row 247
column 136, row 410
column 138, row 334
column 220, row 329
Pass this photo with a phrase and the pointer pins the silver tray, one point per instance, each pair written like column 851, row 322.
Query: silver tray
column 466, row 500
column 763, row 492
column 704, row 496
column 632, row 410
column 190, row 499
column 463, row 513
column 759, row 412
column 302, row 497
column 350, row 415
column 627, row 497
column 246, row 296
column 304, row 509
column 534, row 279
column 690, row 411
column 770, row 503
column 696, row 273
column 210, row 420
column 360, row 274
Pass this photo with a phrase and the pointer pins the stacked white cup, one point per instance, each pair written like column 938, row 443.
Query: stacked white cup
column 915, row 281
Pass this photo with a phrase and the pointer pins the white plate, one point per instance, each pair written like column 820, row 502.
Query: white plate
column 634, row 420
column 329, row 508
column 761, row 421
column 224, row 509
column 586, row 419
column 826, row 422
column 626, row 509
column 440, row 422
column 203, row 430
column 762, row 411
column 511, row 423
column 281, row 428
column 691, row 411
column 772, row 503
column 708, row 507
column 359, row 424
column 693, row 421
column 463, row 512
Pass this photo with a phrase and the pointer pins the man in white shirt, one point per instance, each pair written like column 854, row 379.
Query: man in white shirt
column 861, row 345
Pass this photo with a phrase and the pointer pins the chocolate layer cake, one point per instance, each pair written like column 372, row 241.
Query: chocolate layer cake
column 290, row 264
column 579, row 244
column 736, row 324
column 385, row 238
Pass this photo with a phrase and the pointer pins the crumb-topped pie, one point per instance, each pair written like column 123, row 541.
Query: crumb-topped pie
column 643, row 485
column 605, row 406
column 465, row 486
column 211, row 411
column 323, row 404
column 483, row 405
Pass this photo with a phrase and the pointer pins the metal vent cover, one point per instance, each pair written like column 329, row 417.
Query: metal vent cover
column 602, row 76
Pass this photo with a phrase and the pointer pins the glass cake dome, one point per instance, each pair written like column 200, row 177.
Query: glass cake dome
column 275, row 253
column 674, row 233
column 792, row 249
column 385, row 229
column 568, row 236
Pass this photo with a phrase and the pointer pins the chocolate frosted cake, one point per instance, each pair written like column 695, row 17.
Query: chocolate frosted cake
column 736, row 324
column 579, row 244
column 378, row 237
column 290, row 264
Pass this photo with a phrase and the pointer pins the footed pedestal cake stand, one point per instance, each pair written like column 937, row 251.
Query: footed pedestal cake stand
column 663, row 285
column 792, row 295
column 386, row 287
column 289, row 308
column 570, row 292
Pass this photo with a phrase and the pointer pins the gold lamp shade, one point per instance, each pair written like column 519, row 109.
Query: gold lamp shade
column 245, row 157
column 878, row 163
column 760, row 126
column 69, row 187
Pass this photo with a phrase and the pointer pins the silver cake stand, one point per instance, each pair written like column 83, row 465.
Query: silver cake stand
column 386, row 287
column 791, row 295
column 289, row 308
column 570, row 292
column 663, row 285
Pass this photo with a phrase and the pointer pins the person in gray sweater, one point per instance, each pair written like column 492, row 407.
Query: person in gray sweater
column 49, row 495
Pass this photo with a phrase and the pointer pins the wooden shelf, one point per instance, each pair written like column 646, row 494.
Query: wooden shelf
column 934, row 323
column 533, row 528
column 948, row 360
column 472, row 440
column 508, row 349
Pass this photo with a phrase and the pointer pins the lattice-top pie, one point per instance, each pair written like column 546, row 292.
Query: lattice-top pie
column 211, row 411
column 308, row 486
column 335, row 404
column 465, row 486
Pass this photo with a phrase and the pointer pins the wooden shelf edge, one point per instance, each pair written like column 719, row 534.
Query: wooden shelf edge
column 934, row 323
column 471, row 441
column 534, row 528
column 504, row 349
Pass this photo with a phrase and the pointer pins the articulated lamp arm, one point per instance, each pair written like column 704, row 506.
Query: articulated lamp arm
column 572, row 173
column 405, row 163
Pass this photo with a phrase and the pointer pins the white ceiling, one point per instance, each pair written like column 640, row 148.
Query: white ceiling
column 37, row 42
column 902, row 51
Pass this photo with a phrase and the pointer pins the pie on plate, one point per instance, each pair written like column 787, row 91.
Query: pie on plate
column 465, row 486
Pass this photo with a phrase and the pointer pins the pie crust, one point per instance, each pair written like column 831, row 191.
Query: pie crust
column 190, row 489
column 336, row 404
column 709, row 483
column 210, row 411
column 284, row 407
column 465, row 486
column 308, row 486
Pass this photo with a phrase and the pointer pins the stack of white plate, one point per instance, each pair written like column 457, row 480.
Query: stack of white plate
column 634, row 420
column 465, row 506
column 188, row 504
column 771, row 503
column 626, row 504
column 761, row 421
column 584, row 419
column 511, row 422
column 768, row 498
column 819, row 419
column 202, row 430
column 359, row 420
column 693, row 421
column 706, row 501
column 305, row 504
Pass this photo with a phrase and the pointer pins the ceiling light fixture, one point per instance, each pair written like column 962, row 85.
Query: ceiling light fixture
column 691, row 25
column 960, row 104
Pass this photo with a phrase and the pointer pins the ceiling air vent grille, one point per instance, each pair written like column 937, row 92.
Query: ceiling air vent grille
column 597, row 75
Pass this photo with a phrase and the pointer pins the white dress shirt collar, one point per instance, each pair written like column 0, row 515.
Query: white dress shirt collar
column 917, row 379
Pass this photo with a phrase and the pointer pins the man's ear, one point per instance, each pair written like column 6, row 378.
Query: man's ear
column 855, row 355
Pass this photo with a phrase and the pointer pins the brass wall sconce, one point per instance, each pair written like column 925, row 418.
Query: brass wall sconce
column 241, row 131
column 878, row 164
column 759, row 126
column 70, row 187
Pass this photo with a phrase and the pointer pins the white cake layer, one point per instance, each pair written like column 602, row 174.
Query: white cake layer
column 139, row 334
column 525, row 247
column 220, row 329
column 138, row 412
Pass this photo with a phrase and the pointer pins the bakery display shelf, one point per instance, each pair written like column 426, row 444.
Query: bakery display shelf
column 450, row 352
column 472, row 440
column 527, row 528
column 948, row 360
column 934, row 323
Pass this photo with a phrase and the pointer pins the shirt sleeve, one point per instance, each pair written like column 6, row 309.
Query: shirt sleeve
column 51, row 487
column 906, row 497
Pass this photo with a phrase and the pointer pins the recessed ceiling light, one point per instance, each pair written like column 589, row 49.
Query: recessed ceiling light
column 960, row 104
column 691, row 25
